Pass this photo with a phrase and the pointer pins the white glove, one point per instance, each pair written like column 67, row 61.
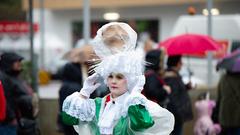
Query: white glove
column 90, row 85
column 139, row 84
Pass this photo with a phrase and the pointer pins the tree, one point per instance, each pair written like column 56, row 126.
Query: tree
column 12, row 10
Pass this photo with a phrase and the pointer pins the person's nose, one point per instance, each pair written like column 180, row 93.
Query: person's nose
column 114, row 80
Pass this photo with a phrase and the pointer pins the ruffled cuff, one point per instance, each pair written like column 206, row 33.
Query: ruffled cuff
column 77, row 107
column 136, row 98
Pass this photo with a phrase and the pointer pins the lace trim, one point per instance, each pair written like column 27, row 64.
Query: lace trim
column 107, row 131
column 134, row 99
column 83, row 109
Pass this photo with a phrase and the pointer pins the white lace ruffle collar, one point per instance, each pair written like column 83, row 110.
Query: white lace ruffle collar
column 110, row 114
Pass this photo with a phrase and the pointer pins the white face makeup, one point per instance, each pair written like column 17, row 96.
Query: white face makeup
column 117, row 84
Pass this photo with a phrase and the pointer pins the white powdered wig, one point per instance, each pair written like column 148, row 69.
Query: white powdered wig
column 130, row 64
column 102, row 50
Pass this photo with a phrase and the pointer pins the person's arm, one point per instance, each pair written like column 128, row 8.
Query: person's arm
column 78, row 106
column 154, row 87
column 140, row 118
column 189, row 86
column 135, row 103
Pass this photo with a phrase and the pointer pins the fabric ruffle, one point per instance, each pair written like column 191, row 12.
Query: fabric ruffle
column 134, row 99
column 82, row 109
column 102, row 50
column 130, row 64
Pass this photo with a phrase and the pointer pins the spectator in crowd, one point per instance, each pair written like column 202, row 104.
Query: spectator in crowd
column 155, row 88
column 180, row 103
column 229, row 103
column 71, row 76
column 21, row 101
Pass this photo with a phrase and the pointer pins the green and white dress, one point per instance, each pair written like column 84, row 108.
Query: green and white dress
column 128, row 114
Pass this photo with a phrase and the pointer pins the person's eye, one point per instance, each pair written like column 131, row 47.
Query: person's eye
column 110, row 76
column 119, row 77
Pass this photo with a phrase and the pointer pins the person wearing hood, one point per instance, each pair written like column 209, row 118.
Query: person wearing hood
column 155, row 88
column 71, row 76
column 19, row 96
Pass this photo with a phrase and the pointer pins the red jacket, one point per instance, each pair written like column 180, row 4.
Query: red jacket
column 2, row 103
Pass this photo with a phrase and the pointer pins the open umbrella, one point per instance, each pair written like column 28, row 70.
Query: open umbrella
column 189, row 44
column 231, row 62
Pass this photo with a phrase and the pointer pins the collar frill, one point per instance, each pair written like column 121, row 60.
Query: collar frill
column 110, row 113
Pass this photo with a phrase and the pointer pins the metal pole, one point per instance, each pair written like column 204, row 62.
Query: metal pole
column 86, row 21
column 33, row 61
column 42, row 33
column 209, row 31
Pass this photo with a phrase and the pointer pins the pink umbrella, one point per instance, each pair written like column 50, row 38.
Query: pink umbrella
column 189, row 44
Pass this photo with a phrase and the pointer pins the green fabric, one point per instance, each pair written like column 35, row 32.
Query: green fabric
column 98, row 102
column 68, row 119
column 140, row 118
column 93, row 124
column 122, row 127
column 94, row 128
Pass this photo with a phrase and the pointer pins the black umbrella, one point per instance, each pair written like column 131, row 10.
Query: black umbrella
column 231, row 62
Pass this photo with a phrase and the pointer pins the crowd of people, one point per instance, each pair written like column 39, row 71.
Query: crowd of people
column 122, row 92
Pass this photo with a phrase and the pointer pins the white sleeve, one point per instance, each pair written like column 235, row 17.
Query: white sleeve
column 80, row 108
column 163, row 120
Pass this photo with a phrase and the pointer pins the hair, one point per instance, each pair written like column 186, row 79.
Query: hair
column 153, row 58
column 173, row 60
column 130, row 64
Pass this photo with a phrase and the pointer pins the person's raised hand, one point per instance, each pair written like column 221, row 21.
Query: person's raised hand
column 90, row 85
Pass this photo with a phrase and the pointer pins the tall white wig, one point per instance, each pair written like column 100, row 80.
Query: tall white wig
column 102, row 50
column 124, row 60
column 130, row 64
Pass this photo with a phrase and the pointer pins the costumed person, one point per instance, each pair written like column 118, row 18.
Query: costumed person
column 125, row 111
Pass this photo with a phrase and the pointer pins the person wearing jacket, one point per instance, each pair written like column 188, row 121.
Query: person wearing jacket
column 71, row 76
column 180, row 103
column 19, row 96
column 2, row 103
column 155, row 87
column 229, row 103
